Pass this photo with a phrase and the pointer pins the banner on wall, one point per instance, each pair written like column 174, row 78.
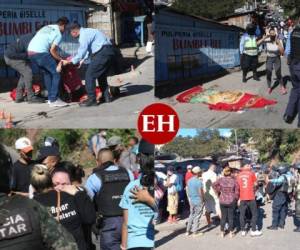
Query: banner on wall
column 22, row 20
column 188, row 52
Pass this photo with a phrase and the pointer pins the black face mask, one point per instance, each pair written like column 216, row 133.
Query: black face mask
column 273, row 38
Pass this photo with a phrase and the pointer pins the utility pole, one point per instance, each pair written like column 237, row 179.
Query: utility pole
column 236, row 143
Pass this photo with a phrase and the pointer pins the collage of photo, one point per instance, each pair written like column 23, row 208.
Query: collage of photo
column 149, row 124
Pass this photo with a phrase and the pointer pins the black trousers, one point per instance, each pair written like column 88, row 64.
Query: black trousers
column 99, row 67
column 227, row 215
column 274, row 63
column 249, row 63
column 293, row 107
column 243, row 209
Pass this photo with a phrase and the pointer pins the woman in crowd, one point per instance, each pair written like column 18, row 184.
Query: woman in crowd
column 66, row 203
column 228, row 191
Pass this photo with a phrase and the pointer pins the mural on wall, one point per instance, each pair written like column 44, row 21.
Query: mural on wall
column 185, row 52
column 17, row 21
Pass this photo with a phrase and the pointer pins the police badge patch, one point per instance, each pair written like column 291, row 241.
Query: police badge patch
column 15, row 224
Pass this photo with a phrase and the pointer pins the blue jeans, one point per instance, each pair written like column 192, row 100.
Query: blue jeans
column 51, row 78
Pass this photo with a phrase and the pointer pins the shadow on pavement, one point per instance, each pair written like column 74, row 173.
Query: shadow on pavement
column 135, row 89
column 169, row 237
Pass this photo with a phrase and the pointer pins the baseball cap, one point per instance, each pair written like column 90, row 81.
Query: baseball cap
column 46, row 151
column 245, row 162
column 189, row 167
column 24, row 144
column 196, row 170
column 114, row 141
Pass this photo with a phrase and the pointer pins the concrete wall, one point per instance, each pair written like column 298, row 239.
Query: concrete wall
column 188, row 47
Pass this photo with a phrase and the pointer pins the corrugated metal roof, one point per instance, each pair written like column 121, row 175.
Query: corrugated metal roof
column 236, row 15
column 204, row 19
column 82, row 3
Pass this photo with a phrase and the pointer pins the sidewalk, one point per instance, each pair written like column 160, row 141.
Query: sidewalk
column 198, row 115
column 121, row 113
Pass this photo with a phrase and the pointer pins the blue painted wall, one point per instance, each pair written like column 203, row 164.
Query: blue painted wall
column 188, row 47
column 21, row 19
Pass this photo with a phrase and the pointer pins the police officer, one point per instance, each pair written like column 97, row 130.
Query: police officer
column 24, row 224
column 280, row 202
column 297, row 198
column 106, row 186
column 249, row 52
column 293, row 54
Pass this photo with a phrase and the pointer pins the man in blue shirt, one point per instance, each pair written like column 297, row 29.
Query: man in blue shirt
column 42, row 50
column 106, row 186
column 293, row 56
column 195, row 196
column 95, row 44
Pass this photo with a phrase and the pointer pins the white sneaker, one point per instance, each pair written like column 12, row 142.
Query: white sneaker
column 58, row 103
column 244, row 233
column 256, row 233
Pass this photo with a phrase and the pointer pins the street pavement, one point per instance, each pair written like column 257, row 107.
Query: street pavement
column 121, row 113
column 199, row 115
column 172, row 236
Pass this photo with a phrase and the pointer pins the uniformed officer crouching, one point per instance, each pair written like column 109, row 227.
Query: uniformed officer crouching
column 24, row 224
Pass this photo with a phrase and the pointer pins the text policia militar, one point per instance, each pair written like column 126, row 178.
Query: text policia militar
column 17, row 26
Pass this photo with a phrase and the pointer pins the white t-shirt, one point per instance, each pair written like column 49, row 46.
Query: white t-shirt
column 173, row 180
column 272, row 48
column 209, row 177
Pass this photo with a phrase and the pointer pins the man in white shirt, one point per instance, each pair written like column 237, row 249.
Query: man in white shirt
column 210, row 197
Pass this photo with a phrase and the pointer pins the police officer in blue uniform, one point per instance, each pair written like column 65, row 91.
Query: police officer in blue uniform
column 280, row 202
column 297, row 198
column 293, row 54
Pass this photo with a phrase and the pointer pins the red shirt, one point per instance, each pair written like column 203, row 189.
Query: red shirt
column 188, row 176
column 246, row 180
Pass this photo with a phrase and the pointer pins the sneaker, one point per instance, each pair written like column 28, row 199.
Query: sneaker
column 187, row 233
column 197, row 234
column 281, row 227
column 57, row 103
column 272, row 228
column 244, row 233
column 283, row 91
column 270, row 91
column 256, row 233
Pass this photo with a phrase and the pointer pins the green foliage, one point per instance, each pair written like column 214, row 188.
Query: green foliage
column 211, row 9
column 206, row 143
column 9, row 136
column 291, row 7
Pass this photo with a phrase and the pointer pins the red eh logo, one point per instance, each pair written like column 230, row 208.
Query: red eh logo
column 158, row 123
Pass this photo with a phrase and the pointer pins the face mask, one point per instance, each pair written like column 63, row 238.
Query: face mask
column 273, row 38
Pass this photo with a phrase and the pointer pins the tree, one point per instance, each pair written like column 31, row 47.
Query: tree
column 211, row 9
column 291, row 7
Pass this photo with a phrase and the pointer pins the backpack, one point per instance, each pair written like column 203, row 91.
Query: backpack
column 271, row 190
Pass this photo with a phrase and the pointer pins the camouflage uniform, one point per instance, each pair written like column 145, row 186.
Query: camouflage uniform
column 53, row 234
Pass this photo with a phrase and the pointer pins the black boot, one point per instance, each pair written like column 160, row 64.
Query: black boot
column 244, row 77
column 255, row 76
column 36, row 99
column 297, row 230
column 288, row 119
column 88, row 103
column 272, row 228
column 107, row 96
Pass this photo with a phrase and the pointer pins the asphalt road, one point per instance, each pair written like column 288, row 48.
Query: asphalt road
column 121, row 113
column 199, row 116
column 173, row 237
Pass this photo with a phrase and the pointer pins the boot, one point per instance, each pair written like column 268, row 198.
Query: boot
column 255, row 76
column 88, row 103
column 244, row 77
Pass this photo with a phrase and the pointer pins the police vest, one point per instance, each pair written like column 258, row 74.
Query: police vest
column 295, row 44
column 19, row 225
column 250, row 46
column 285, row 185
column 113, row 186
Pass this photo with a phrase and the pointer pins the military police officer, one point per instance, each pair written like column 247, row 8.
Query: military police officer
column 24, row 224
column 297, row 198
column 293, row 54
column 280, row 202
